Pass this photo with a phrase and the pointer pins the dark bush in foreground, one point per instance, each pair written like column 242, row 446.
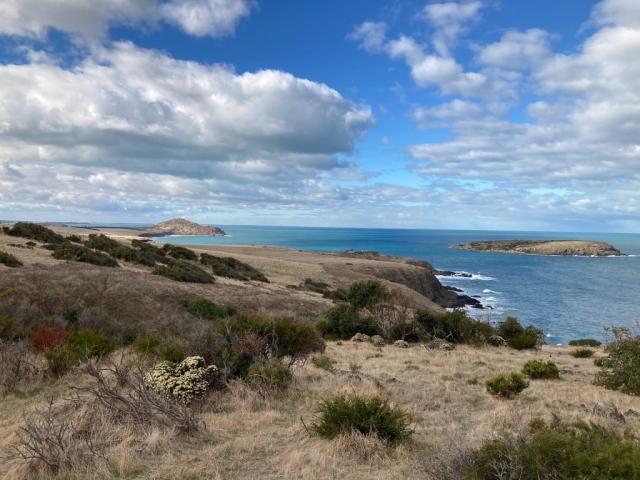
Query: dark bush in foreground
column 507, row 385
column 511, row 328
column 231, row 268
column 157, row 253
column 537, row 369
column 582, row 353
column 183, row 272
column 82, row 343
column 365, row 294
column 455, row 326
column 9, row 260
column 179, row 253
column 33, row 231
column 579, row 451
column 621, row 369
column 343, row 321
column 268, row 377
column 205, row 308
column 585, row 342
column 78, row 253
column 347, row 414
column 101, row 242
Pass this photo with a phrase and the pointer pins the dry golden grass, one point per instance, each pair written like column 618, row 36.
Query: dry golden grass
column 248, row 436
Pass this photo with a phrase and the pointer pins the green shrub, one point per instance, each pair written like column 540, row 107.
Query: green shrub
column 62, row 359
column 323, row 362
column 101, row 242
column 365, row 294
column 78, row 253
column 166, row 346
column 455, row 326
column 599, row 361
column 9, row 260
column 33, row 231
column 7, row 330
column 585, row 342
column 179, row 253
column 579, row 451
column 231, row 268
column 582, row 353
column 90, row 343
column 157, row 253
column 373, row 415
column 183, row 272
column 270, row 376
column 132, row 255
column 522, row 342
column 74, row 238
column 315, row 286
column 343, row 321
column 621, row 369
column 538, row 369
column 205, row 308
column 507, row 386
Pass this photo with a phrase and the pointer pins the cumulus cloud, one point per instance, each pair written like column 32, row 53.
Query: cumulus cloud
column 449, row 20
column 370, row 35
column 518, row 50
column 92, row 19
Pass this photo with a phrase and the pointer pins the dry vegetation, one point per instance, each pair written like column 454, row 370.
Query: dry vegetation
column 241, row 432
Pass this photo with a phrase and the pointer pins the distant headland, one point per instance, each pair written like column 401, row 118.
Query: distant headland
column 567, row 248
column 181, row 226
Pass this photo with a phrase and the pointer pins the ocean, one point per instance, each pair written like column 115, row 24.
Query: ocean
column 568, row 297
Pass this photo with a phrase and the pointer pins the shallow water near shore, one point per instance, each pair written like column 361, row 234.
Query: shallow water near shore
column 568, row 297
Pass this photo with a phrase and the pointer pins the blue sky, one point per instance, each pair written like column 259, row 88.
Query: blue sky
column 470, row 114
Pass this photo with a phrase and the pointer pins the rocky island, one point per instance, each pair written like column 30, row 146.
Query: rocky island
column 181, row 226
column 581, row 248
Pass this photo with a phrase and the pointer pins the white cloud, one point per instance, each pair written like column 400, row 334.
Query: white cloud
column 370, row 35
column 91, row 19
column 448, row 19
column 518, row 50
column 625, row 13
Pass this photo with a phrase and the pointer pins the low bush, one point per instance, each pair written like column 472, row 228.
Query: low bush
column 101, row 242
column 46, row 337
column 179, row 253
column 183, row 382
column 507, row 386
column 61, row 360
column 90, row 343
column 585, row 342
column 323, row 362
column 33, row 231
column 132, row 255
column 180, row 271
column 522, row 342
column 166, row 346
column 9, row 260
column 600, row 361
column 365, row 294
column 511, row 328
column 621, row 368
column 74, row 238
column 372, row 415
column 343, row 321
column 455, row 326
column 269, row 377
column 578, row 451
column 231, row 268
column 78, row 253
column 205, row 308
column 157, row 253
column 582, row 353
column 537, row 369
column 314, row 286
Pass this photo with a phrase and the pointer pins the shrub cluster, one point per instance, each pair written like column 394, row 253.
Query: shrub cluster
column 205, row 308
column 536, row 369
column 128, row 254
column 231, row 268
column 269, row 376
column 323, row 362
column 507, row 386
column 585, row 342
column 558, row 451
column 81, row 344
column 9, row 260
column 181, row 271
column 182, row 382
column 33, row 231
column 519, row 337
column 179, row 253
column 455, row 327
column 621, row 368
column 101, row 242
column 79, row 253
column 582, row 353
column 346, row 414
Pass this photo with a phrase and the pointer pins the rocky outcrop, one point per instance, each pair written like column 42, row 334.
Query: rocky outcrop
column 181, row 226
column 582, row 248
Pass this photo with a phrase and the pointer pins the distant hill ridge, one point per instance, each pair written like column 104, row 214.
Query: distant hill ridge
column 182, row 226
column 582, row 248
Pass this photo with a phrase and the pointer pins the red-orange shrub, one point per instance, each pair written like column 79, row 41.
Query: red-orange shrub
column 47, row 338
column 251, row 346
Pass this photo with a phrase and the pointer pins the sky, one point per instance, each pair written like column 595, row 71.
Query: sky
column 469, row 114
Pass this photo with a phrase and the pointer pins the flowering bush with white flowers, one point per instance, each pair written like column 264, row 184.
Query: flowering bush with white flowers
column 190, row 378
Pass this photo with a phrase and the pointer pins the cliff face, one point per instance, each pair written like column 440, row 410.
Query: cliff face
column 181, row 226
column 583, row 248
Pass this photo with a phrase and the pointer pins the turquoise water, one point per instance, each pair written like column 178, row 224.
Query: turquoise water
column 568, row 297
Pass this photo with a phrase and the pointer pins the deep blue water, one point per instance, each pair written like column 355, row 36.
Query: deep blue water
column 568, row 297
